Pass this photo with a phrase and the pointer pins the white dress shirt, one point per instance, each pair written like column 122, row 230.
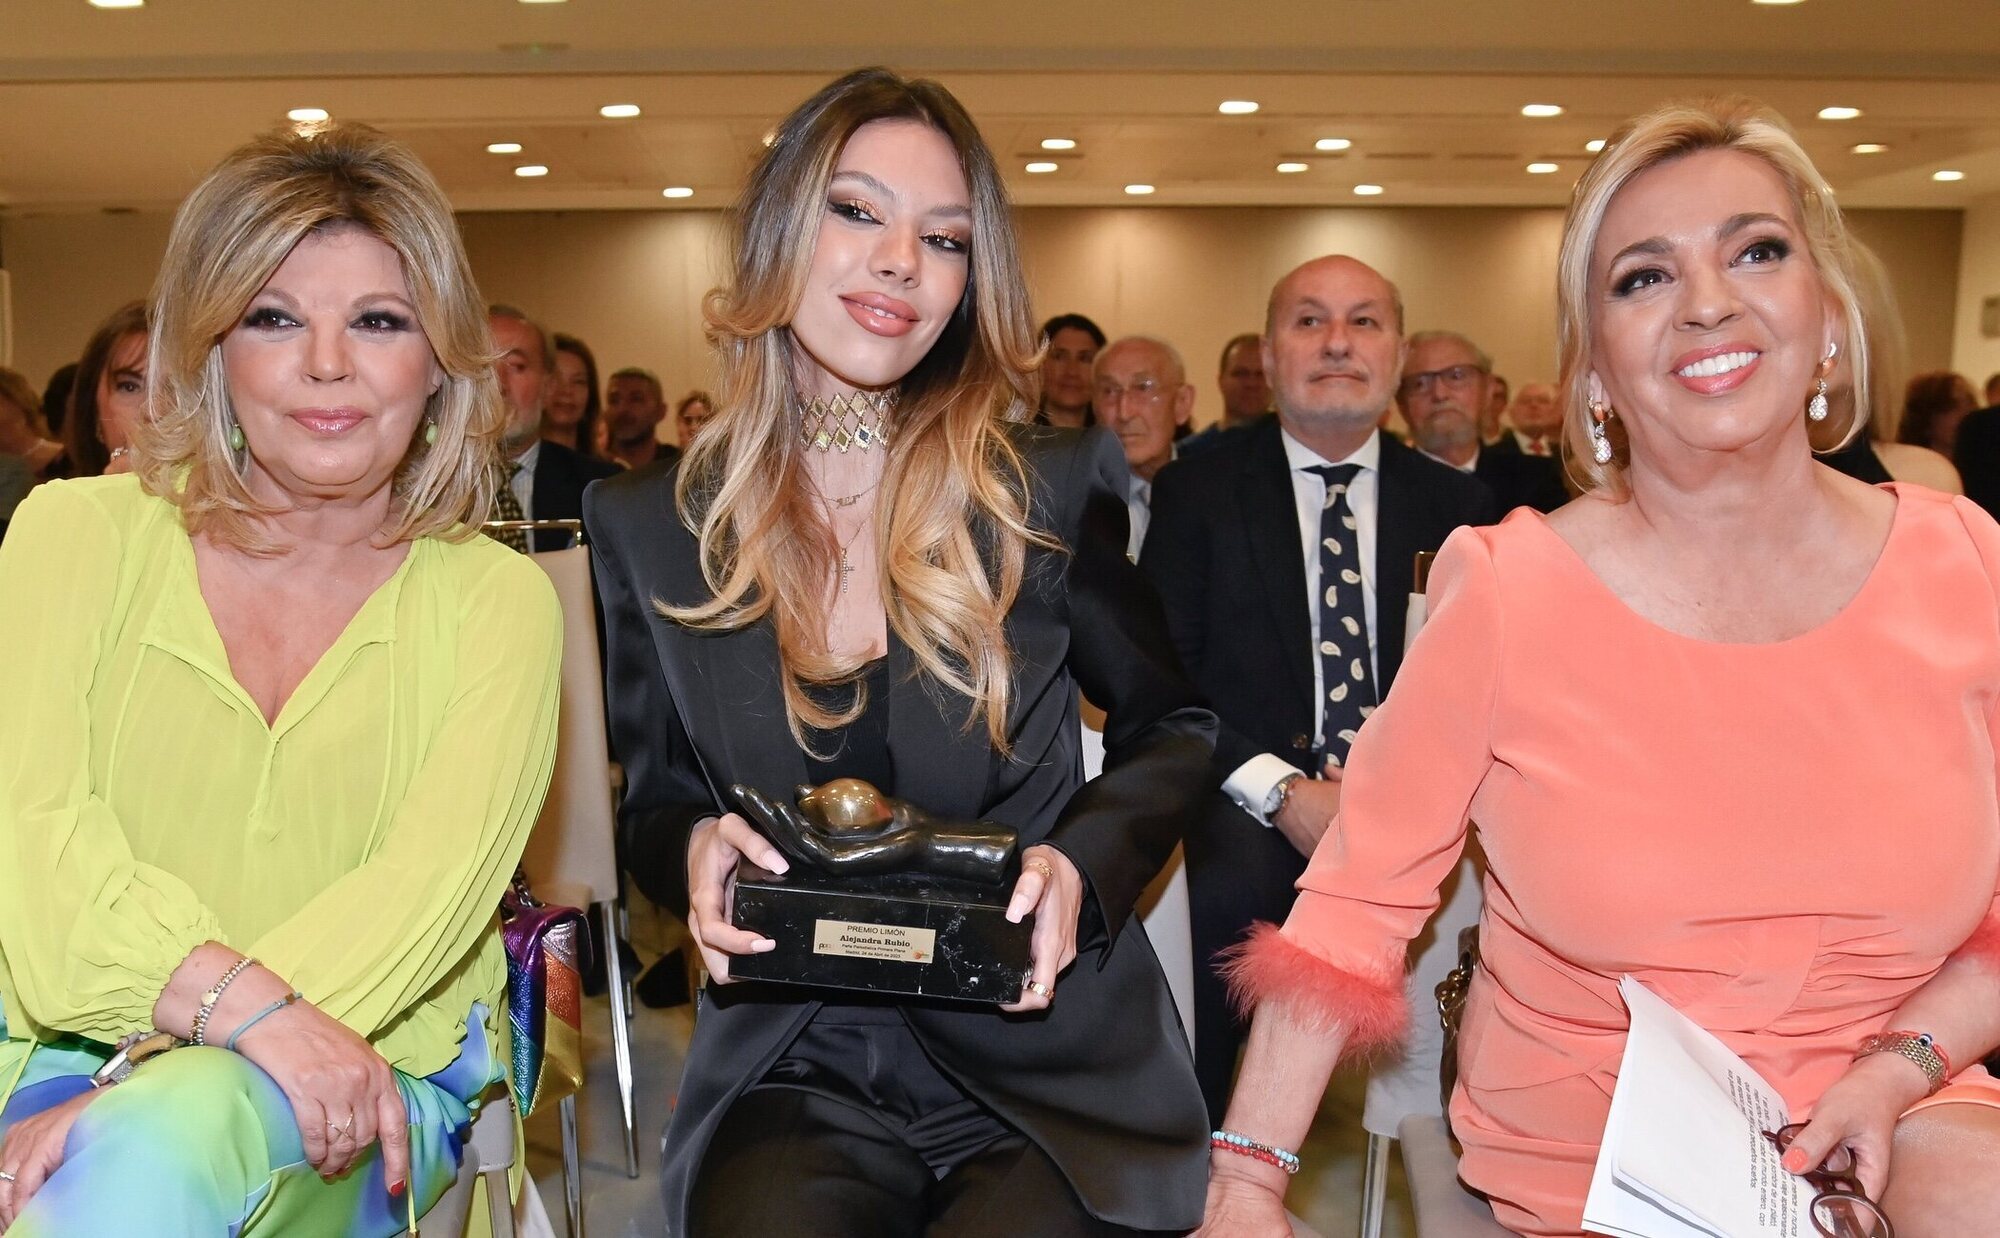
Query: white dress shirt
column 523, row 481
column 1139, row 506
column 1252, row 782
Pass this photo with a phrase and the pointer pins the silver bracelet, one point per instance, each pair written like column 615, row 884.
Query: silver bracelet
column 213, row 995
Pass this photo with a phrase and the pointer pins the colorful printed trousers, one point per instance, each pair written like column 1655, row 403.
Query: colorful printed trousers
column 200, row 1143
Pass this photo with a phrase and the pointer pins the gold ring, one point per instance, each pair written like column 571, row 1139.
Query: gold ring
column 1039, row 989
column 1042, row 867
column 344, row 1127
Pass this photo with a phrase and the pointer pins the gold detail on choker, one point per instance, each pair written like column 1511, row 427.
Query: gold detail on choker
column 836, row 423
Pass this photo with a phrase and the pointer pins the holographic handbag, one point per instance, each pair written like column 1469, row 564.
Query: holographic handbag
column 545, row 946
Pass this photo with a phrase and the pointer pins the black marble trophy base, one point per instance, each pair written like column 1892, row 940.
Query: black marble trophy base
column 909, row 933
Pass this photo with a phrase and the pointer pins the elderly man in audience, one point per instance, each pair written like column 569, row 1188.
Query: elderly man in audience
column 1143, row 395
column 1446, row 390
column 1534, row 423
column 634, row 406
column 1285, row 558
column 544, row 480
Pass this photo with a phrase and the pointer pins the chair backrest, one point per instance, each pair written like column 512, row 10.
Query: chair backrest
column 572, row 843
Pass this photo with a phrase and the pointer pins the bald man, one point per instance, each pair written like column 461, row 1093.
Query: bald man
column 1140, row 390
column 1285, row 557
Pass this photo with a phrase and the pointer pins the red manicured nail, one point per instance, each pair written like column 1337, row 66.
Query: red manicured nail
column 1795, row 1161
column 397, row 1188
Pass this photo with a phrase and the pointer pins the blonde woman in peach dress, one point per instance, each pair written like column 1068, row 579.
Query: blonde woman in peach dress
column 1727, row 723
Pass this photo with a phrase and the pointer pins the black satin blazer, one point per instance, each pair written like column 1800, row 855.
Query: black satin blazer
column 1102, row 1080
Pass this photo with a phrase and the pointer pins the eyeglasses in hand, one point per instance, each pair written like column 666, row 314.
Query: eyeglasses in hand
column 1840, row 1209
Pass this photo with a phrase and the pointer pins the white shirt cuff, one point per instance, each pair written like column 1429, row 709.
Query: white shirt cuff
column 1251, row 785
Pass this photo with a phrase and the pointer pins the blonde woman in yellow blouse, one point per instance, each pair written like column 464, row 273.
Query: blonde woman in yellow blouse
column 285, row 707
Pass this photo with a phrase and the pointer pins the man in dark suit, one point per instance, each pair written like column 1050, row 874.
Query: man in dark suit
column 1446, row 389
column 545, row 480
column 1285, row 557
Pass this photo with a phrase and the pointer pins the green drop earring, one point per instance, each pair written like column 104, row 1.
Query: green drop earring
column 430, row 432
column 235, row 436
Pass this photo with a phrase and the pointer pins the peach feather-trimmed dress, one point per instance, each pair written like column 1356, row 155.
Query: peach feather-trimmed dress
column 1784, row 840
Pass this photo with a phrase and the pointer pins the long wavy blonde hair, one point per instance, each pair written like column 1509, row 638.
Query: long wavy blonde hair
column 231, row 233
column 954, row 529
column 1661, row 136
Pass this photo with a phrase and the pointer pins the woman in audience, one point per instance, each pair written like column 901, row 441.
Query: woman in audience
column 919, row 610
column 287, row 723
column 1070, row 343
column 109, row 395
column 1664, row 707
column 27, row 455
column 691, row 414
column 570, row 414
column 1933, row 405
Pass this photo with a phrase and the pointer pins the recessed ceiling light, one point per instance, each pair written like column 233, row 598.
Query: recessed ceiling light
column 1332, row 144
column 1948, row 174
column 1594, row 145
column 503, row 148
column 1543, row 168
column 770, row 137
column 677, row 191
column 1292, row 165
column 618, row 111
column 1839, row 113
column 1777, row 2
column 1869, row 148
column 1058, row 143
column 1541, row 111
column 1042, row 166
column 1237, row 107
column 1138, row 191
column 531, row 169
column 117, row 4
column 544, row 1
column 1368, row 191
column 307, row 115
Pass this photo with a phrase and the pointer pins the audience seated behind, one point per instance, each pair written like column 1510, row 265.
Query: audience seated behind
column 109, row 395
column 1446, row 394
column 284, row 737
column 1143, row 396
column 634, row 406
column 574, row 409
column 543, row 480
column 1069, row 350
column 1254, row 603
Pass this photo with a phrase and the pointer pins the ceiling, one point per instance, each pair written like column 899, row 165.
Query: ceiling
column 124, row 109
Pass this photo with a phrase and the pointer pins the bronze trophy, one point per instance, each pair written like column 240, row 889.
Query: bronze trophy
column 882, row 897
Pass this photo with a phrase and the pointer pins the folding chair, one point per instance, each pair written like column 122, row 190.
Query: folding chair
column 490, row 1150
column 571, row 854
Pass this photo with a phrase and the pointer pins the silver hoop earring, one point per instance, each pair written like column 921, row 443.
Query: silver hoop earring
column 1600, row 442
column 1816, row 407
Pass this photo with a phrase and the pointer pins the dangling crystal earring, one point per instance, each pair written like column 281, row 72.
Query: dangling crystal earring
column 1600, row 442
column 235, row 436
column 430, row 432
column 1816, row 408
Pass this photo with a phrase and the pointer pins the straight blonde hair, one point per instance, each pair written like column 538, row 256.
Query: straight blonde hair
column 954, row 494
column 231, row 233
column 1661, row 136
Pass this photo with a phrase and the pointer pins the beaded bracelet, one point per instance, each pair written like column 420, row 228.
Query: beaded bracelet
column 213, row 994
column 261, row 1015
column 1243, row 1145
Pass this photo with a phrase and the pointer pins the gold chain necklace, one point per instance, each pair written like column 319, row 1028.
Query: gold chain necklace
column 838, row 422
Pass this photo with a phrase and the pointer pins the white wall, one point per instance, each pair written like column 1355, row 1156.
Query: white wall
column 630, row 283
column 1975, row 354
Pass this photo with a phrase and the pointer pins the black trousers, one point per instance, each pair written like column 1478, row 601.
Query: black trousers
column 855, row 1134
column 1239, row 872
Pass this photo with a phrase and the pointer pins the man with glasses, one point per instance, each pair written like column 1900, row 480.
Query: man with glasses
column 1447, row 387
column 1285, row 556
column 1143, row 395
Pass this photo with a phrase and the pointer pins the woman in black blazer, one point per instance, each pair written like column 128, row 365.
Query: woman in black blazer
column 867, row 566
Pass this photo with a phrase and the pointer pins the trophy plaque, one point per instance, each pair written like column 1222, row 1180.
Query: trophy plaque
column 881, row 898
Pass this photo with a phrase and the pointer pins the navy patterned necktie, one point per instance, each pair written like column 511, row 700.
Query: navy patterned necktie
column 507, row 507
column 1346, row 677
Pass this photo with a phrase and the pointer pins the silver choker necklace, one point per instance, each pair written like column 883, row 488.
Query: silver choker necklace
column 838, row 422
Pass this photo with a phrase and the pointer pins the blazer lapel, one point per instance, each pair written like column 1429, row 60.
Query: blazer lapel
column 1396, row 545
column 1271, row 528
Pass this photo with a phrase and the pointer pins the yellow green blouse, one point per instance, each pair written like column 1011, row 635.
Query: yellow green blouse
column 358, row 847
